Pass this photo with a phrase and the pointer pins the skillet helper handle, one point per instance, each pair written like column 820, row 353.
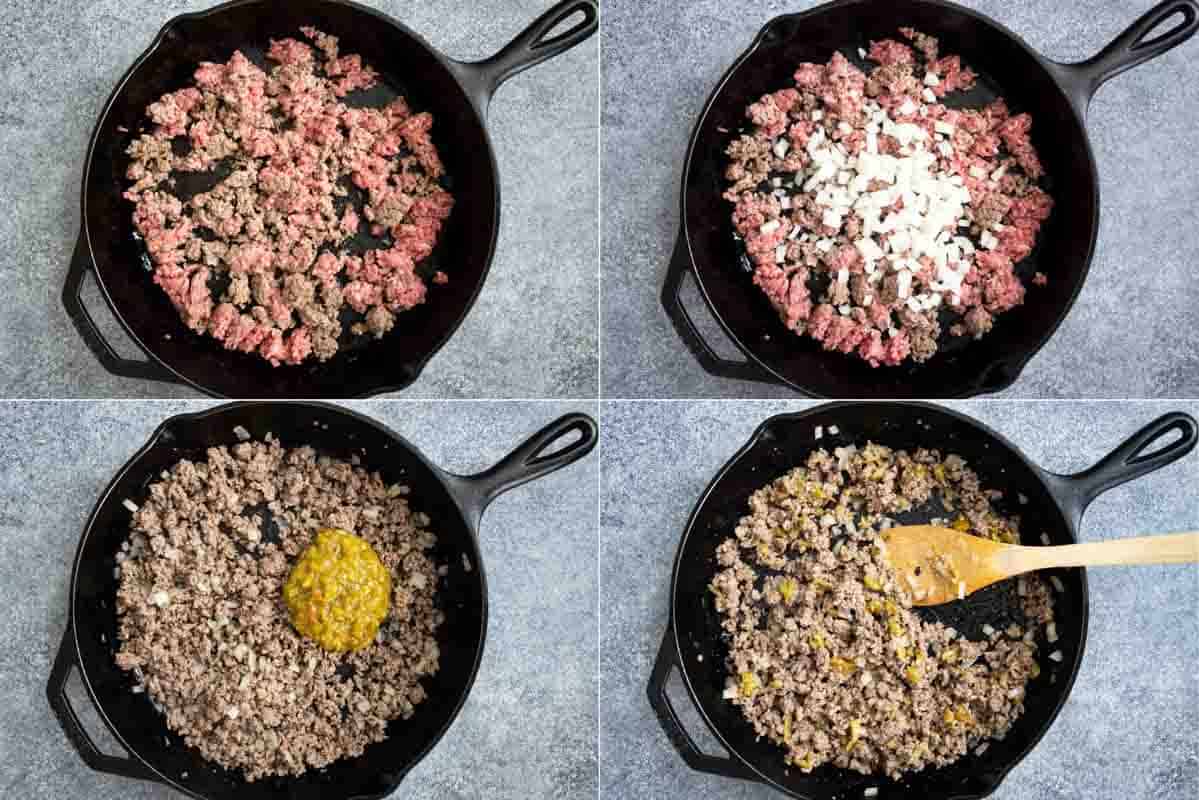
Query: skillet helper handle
column 669, row 720
column 672, row 301
column 531, row 47
column 527, row 462
column 72, row 299
column 1134, row 46
column 56, row 693
column 1132, row 459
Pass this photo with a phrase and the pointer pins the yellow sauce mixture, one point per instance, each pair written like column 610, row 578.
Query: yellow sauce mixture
column 339, row 592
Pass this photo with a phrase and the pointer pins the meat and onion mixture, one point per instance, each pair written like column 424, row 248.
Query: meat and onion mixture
column 873, row 214
column 826, row 657
column 203, row 624
column 261, row 261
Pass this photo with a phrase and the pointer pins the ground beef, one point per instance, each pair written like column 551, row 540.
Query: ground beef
column 204, row 628
column 826, row 657
column 293, row 150
column 802, row 221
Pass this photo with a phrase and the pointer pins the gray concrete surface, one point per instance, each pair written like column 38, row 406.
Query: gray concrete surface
column 528, row 727
column 533, row 332
column 1132, row 333
column 1130, row 727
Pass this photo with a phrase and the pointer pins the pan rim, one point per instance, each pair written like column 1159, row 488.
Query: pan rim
column 224, row 408
column 417, row 366
column 672, row 629
column 1017, row 362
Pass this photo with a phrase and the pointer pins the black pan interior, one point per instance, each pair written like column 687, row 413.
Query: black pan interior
column 408, row 66
column 1008, row 69
column 785, row 442
column 461, row 595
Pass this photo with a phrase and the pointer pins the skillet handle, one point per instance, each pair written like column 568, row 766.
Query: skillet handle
column 530, row 47
column 669, row 720
column 672, row 301
column 73, row 301
column 1129, row 49
column 1128, row 461
column 527, row 463
column 56, row 693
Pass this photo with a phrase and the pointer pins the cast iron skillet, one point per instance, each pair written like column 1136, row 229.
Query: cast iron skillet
column 1055, row 505
column 1057, row 96
column 456, row 93
column 455, row 504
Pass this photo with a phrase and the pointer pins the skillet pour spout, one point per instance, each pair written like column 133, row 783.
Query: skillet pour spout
column 694, row 643
column 456, row 93
column 1055, row 95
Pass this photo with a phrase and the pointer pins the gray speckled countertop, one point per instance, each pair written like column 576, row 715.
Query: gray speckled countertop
column 1132, row 332
column 533, row 331
column 539, row 545
column 1129, row 728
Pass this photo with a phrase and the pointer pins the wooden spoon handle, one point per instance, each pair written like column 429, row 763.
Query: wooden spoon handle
column 1176, row 548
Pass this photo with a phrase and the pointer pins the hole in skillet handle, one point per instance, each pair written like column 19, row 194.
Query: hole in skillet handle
column 72, row 300
column 1135, row 457
column 65, row 664
column 557, row 445
column 1132, row 47
column 685, row 327
column 665, row 665
column 532, row 46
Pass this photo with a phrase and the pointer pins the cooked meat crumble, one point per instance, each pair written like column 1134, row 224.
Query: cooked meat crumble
column 260, row 261
column 204, row 628
column 873, row 213
column 826, row 657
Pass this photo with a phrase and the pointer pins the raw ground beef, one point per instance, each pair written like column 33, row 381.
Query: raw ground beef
column 259, row 261
column 204, row 628
column 873, row 214
column 826, row 657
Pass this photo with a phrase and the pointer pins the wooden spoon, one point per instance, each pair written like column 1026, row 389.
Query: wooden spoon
column 942, row 564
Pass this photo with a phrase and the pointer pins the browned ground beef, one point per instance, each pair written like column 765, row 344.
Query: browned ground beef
column 203, row 624
column 826, row 658
column 261, row 261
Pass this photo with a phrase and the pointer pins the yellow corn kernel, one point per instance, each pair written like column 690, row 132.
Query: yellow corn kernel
column 874, row 606
column 817, row 640
column 749, row 684
column 961, row 524
column 873, row 583
column 787, row 730
column 912, row 674
column 950, row 655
